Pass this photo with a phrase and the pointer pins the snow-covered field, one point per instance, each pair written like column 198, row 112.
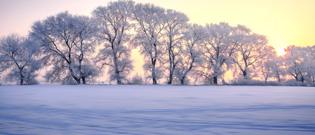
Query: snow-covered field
column 136, row 110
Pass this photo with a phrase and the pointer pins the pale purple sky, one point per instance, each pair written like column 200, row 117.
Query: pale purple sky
column 284, row 22
column 17, row 16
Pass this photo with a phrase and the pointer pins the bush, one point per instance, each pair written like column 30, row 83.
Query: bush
column 255, row 83
column 137, row 80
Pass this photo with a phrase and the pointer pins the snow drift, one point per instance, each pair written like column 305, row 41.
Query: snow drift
column 54, row 109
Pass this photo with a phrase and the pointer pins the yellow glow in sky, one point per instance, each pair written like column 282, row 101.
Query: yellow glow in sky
column 284, row 22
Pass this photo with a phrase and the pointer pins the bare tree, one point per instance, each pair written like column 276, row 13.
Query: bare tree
column 175, row 26
column 150, row 25
column 113, row 22
column 18, row 57
column 67, row 42
column 189, row 55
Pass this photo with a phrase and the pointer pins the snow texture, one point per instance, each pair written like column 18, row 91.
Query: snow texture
column 134, row 110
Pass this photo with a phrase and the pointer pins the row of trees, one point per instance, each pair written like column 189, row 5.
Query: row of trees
column 75, row 49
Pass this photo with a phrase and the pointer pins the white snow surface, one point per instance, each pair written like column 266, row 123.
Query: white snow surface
column 150, row 110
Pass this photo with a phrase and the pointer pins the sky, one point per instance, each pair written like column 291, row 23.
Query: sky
column 283, row 22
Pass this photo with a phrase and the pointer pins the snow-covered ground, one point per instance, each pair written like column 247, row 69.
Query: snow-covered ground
column 136, row 110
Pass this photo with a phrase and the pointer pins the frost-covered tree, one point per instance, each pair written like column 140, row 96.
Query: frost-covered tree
column 250, row 50
column 271, row 65
column 273, row 68
column 174, row 30
column 67, row 42
column 295, row 63
column 217, row 51
column 150, row 23
column 310, row 61
column 113, row 23
column 189, row 56
column 18, row 57
column 300, row 63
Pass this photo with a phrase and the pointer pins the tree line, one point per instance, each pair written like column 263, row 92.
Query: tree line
column 75, row 49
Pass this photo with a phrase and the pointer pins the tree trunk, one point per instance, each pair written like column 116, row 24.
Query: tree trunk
column 78, row 80
column 245, row 74
column 154, row 81
column 117, row 73
column 183, row 78
column 83, row 80
column 171, row 60
column 21, row 77
column 182, row 81
column 215, row 80
column 118, row 80
column 279, row 79
column 172, row 69
column 266, row 79
column 153, row 62
column 170, row 81
column 170, row 76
